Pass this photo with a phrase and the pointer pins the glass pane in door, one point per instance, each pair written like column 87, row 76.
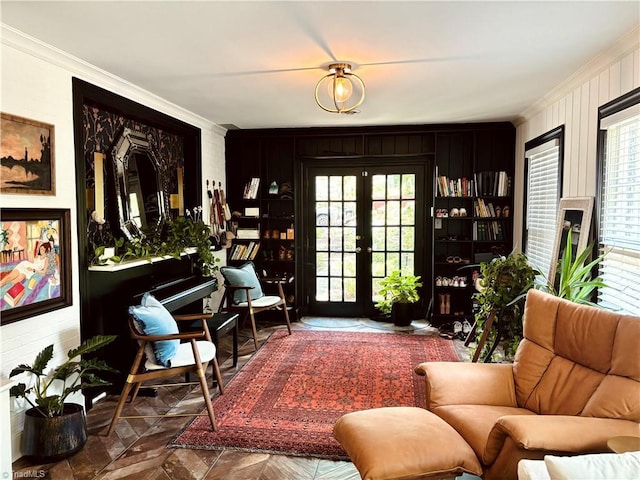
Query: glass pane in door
column 335, row 238
column 393, row 226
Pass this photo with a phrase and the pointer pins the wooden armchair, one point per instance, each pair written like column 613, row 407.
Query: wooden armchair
column 245, row 295
column 192, row 355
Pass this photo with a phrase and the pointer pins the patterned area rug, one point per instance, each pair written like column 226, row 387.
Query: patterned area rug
column 288, row 397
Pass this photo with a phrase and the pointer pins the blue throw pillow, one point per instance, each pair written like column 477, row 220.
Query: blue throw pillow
column 244, row 275
column 155, row 319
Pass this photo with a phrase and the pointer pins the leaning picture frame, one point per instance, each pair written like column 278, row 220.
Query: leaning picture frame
column 573, row 214
column 35, row 262
column 27, row 156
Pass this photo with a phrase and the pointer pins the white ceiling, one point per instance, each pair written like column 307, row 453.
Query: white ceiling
column 255, row 64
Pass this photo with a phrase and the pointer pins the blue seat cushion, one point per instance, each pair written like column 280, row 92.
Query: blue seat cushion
column 155, row 319
column 243, row 276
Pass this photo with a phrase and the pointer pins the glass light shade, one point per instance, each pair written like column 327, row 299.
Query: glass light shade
column 345, row 90
column 340, row 88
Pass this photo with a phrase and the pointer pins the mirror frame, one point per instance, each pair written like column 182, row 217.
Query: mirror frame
column 129, row 143
column 579, row 204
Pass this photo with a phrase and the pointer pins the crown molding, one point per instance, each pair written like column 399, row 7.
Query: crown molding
column 29, row 45
column 593, row 67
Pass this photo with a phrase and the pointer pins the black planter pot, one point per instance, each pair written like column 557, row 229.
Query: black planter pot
column 402, row 314
column 50, row 439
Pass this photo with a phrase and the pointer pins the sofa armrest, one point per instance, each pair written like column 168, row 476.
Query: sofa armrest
column 557, row 433
column 457, row 383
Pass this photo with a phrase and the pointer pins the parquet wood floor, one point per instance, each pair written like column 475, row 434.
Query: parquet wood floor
column 137, row 449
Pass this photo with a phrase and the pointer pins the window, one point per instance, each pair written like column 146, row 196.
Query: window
column 619, row 197
column 543, row 180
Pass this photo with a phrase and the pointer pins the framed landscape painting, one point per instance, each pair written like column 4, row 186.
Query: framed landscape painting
column 26, row 156
column 35, row 262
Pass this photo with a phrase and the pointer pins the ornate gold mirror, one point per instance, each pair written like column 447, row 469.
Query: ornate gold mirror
column 141, row 191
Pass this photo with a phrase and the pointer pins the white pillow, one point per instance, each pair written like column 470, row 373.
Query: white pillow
column 600, row 466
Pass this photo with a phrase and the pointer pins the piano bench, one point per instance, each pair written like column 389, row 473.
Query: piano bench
column 220, row 324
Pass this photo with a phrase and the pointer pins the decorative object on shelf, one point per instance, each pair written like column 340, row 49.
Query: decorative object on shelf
column 341, row 90
column 29, row 158
column 35, row 262
column 273, row 188
column 55, row 429
column 286, row 191
column 398, row 292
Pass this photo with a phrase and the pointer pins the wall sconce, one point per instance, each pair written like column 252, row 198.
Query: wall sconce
column 341, row 90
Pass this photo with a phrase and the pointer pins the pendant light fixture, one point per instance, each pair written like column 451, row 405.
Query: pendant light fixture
column 340, row 91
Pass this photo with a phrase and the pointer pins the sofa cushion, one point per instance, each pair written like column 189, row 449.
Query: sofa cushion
column 475, row 423
column 403, row 443
column 243, row 276
column 614, row 466
column 574, row 359
column 155, row 319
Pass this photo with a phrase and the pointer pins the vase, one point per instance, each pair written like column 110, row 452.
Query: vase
column 50, row 439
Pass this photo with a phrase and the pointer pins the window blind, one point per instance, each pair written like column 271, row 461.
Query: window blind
column 619, row 234
column 542, row 203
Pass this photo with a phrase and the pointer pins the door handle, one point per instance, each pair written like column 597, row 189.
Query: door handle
column 358, row 249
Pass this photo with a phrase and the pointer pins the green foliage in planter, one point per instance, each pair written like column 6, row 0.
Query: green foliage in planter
column 185, row 232
column 181, row 233
column 70, row 376
column 398, row 288
column 504, row 283
column 574, row 280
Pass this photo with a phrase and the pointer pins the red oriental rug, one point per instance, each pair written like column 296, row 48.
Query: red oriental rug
column 288, row 397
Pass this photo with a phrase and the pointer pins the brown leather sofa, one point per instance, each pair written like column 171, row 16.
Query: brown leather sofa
column 574, row 384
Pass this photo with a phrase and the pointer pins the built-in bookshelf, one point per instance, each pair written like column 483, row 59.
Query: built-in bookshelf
column 472, row 221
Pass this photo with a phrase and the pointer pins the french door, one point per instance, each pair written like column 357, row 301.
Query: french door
column 363, row 222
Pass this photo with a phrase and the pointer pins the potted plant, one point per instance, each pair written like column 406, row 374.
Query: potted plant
column 182, row 233
column 187, row 232
column 54, row 428
column 574, row 280
column 398, row 293
column 502, row 286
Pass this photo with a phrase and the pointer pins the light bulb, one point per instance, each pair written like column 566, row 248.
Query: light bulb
column 340, row 88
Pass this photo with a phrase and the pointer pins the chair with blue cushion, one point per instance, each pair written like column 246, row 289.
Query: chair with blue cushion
column 164, row 352
column 245, row 295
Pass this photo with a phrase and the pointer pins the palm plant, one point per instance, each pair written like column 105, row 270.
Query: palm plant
column 574, row 280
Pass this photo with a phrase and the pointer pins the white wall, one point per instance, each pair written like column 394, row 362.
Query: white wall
column 36, row 83
column 574, row 104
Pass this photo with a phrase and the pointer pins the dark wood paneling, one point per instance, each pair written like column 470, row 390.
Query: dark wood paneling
column 457, row 148
column 105, row 297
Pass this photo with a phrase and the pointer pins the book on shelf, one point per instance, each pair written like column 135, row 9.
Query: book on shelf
column 242, row 251
column 251, row 189
column 454, row 187
column 493, row 184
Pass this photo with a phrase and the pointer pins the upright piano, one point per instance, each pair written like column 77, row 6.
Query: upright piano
column 174, row 282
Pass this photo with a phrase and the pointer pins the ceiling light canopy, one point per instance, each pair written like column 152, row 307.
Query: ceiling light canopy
column 340, row 91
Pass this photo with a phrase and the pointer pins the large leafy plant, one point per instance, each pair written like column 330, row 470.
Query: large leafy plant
column 185, row 232
column 181, row 233
column 48, row 391
column 574, row 280
column 398, row 288
column 503, row 286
